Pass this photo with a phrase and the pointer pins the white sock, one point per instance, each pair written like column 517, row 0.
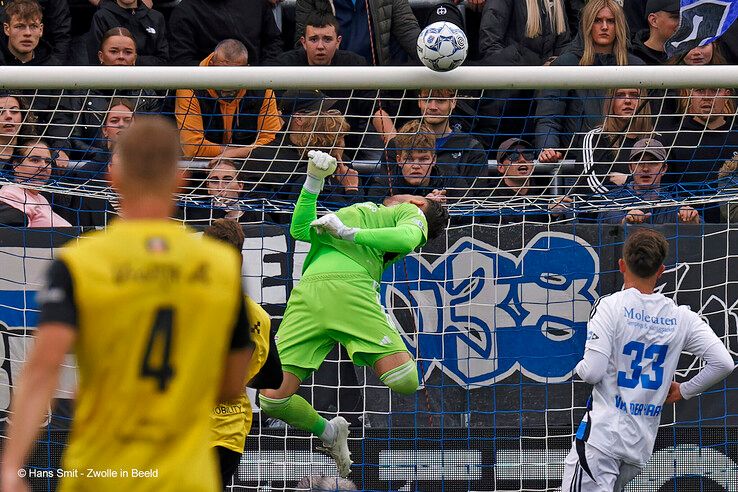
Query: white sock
column 329, row 434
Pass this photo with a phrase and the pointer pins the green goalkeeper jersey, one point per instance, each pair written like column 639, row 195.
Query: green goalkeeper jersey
column 386, row 234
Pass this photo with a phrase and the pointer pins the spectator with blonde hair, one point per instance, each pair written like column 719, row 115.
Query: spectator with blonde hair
column 275, row 171
column 604, row 42
column 605, row 150
column 530, row 32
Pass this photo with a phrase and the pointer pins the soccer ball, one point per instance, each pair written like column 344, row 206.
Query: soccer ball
column 442, row 46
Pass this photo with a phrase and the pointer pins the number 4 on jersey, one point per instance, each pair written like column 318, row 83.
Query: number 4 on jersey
column 156, row 362
column 655, row 352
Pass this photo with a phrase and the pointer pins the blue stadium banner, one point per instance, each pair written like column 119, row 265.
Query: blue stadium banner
column 702, row 22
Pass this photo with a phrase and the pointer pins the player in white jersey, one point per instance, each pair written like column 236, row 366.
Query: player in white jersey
column 634, row 340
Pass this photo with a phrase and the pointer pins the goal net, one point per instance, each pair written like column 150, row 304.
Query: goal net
column 544, row 180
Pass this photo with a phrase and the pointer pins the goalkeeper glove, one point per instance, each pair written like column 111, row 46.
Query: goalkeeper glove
column 320, row 166
column 332, row 225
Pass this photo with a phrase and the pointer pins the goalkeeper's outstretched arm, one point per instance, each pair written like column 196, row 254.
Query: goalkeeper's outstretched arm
column 402, row 238
column 320, row 166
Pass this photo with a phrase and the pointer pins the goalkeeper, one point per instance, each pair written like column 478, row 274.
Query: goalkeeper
column 337, row 299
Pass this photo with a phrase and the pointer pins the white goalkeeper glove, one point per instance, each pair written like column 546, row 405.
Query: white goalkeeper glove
column 331, row 224
column 320, row 166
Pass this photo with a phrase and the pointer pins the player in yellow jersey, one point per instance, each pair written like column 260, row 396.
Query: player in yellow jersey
column 231, row 420
column 156, row 318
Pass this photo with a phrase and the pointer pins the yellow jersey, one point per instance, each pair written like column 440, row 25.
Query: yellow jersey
column 230, row 422
column 156, row 310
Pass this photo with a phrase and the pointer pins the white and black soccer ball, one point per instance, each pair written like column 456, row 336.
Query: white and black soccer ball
column 442, row 46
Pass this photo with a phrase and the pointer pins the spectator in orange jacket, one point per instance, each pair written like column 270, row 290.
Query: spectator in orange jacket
column 226, row 123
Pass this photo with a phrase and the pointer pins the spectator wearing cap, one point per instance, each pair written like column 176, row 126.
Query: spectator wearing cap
column 145, row 24
column 663, row 21
column 367, row 32
column 522, row 196
column 226, row 123
column 642, row 199
column 320, row 46
column 277, row 171
column 530, row 32
column 197, row 26
column 414, row 170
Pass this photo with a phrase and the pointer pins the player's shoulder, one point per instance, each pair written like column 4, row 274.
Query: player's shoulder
column 257, row 313
column 604, row 302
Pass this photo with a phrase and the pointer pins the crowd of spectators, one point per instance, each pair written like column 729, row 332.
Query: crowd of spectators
column 627, row 148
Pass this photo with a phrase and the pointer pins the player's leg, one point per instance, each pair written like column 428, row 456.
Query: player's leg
column 399, row 372
column 364, row 328
column 291, row 408
column 228, row 460
column 594, row 472
column 303, row 344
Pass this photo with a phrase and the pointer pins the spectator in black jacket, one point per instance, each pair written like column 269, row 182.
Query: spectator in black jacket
column 25, row 46
column 146, row 25
column 367, row 32
column 57, row 23
column 411, row 168
column 320, row 47
column 529, row 32
column 23, row 28
column 519, row 194
column 562, row 113
column 197, row 26
column 81, row 115
column 663, row 20
column 701, row 141
column 457, row 153
column 635, row 15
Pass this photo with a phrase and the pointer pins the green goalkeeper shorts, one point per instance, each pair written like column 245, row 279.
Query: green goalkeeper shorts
column 335, row 307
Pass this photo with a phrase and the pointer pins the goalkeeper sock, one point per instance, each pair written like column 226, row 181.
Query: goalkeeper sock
column 295, row 411
column 403, row 379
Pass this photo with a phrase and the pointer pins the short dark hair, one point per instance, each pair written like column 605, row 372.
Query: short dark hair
column 322, row 19
column 437, row 218
column 228, row 231
column 26, row 10
column 645, row 251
